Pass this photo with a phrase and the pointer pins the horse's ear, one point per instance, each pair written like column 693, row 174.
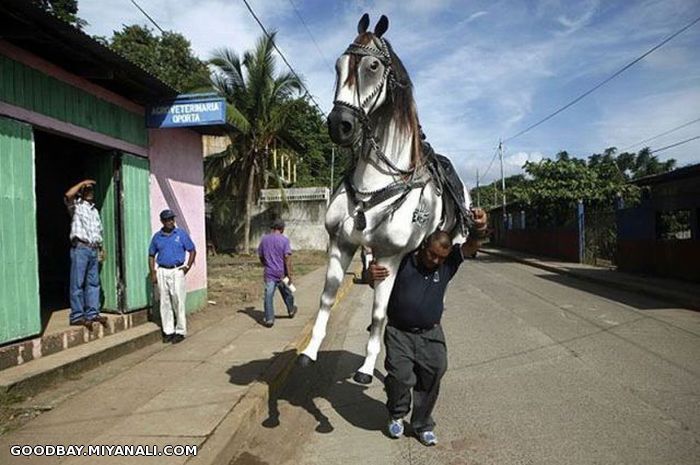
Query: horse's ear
column 381, row 26
column 363, row 24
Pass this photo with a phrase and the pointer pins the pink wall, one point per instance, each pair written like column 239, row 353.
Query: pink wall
column 177, row 174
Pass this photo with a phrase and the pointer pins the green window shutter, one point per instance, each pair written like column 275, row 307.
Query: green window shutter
column 136, row 230
column 101, row 169
column 19, row 263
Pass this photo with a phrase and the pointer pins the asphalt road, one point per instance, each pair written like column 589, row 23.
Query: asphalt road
column 543, row 369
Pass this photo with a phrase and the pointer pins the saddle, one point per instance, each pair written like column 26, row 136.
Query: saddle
column 448, row 182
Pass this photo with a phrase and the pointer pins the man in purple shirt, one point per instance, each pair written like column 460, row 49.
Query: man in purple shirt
column 276, row 256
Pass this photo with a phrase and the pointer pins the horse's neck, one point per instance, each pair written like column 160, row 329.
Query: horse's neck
column 371, row 173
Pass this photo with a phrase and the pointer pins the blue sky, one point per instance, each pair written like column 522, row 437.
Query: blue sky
column 482, row 70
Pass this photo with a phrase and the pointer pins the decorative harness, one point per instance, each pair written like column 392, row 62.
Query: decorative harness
column 403, row 187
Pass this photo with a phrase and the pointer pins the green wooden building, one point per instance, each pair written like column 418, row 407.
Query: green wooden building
column 70, row 109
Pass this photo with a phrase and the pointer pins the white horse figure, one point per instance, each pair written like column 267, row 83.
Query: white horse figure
column 389, row 202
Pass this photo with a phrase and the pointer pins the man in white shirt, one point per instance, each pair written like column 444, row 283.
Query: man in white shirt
column 85, row 255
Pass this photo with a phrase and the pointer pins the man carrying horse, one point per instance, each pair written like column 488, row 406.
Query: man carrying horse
column 395, row 193
column 416, row 353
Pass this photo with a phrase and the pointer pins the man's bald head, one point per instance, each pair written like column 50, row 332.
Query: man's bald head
column 440, row 238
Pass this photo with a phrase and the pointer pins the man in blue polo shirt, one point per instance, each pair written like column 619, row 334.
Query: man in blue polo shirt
column 167, row 249
column 416, row 353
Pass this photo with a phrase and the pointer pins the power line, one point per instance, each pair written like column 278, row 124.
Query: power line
column 323, row 57
column 662, row 134
column 491, row 163
column 674, row 145
column 283, row 57
column 613, row 76
column 147, row 16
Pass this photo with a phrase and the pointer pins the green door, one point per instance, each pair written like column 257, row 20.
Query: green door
column 136, row 230
column 19, row 262
column 101, row 169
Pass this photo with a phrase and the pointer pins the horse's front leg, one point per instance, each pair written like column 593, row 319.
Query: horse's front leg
column 382, row 292
column 340, row 256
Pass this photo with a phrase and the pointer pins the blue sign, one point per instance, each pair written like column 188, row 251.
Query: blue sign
column 183, row 113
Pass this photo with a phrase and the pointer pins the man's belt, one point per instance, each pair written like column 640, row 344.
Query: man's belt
column 169, row 267
column 414, row 329
column 79, row 242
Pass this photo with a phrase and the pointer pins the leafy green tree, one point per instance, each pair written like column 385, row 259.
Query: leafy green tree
column 168, row 56
column 647, row 164
column 259, row 100
column 67, row 10
column 307, row 125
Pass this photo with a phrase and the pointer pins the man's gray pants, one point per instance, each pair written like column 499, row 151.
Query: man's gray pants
column 414, row 361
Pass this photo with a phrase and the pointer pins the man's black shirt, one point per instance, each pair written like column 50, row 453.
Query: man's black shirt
column 417, row 298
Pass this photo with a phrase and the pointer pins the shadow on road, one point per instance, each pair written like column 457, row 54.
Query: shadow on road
column 330, row 378
column 586, row 283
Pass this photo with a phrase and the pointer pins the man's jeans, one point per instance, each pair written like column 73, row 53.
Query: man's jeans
column 84, row 283
column 287, row 295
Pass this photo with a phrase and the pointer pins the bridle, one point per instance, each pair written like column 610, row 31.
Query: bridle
column 407, row 181
column 388, row 77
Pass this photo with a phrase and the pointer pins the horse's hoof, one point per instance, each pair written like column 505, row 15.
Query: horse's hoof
column 362, row 378
column 304, row 361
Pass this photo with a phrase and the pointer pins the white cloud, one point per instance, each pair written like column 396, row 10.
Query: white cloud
column 517, row 160
column 573, row 24
column 474, row 16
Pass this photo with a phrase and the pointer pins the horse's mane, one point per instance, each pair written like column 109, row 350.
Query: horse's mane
column 404, row 111
column 404, row 105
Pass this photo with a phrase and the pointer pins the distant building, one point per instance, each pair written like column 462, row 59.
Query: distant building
column 662, row 235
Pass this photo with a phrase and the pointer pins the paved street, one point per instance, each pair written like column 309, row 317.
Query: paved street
column 543, row 369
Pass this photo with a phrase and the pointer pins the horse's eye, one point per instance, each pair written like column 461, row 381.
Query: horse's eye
column 374, row 66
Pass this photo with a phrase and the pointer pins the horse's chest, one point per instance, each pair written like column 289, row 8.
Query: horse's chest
column 373, row 228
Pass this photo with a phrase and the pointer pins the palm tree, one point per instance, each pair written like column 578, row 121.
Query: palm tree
column 257, row 98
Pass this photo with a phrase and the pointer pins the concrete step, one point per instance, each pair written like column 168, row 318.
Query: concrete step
column 30, row 378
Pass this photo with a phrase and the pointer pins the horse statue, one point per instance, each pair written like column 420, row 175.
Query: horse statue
column 395, row 194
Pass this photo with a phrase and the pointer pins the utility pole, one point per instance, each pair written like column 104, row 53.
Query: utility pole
column 332, row 166
column 478, row 196
column 503, row 180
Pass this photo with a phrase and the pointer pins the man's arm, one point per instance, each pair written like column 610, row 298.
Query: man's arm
column 152, row 267
column 288, row 266
column 192, row 252
column 476, row 234
column 73, row 191
column 190, row 260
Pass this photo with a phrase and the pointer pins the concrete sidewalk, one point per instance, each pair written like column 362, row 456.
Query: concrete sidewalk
column 185, row 394
column 684, row 294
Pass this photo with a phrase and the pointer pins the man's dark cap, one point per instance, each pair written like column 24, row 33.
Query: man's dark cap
column 167, row 214
column 278, row 224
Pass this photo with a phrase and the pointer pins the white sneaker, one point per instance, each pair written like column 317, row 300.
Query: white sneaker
column 427, row 438
column 395, row 428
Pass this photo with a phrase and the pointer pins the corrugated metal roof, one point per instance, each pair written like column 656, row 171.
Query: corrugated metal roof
column 690, row 171
column 27, row 26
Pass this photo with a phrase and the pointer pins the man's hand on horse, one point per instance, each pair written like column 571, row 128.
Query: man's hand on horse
column 477, row 233
column 377, row 272
column 480, row 221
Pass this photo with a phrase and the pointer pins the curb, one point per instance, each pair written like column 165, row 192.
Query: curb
column 684, row 301
column 221, row 446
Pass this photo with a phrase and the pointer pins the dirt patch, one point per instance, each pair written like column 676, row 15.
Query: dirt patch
column 236, row 279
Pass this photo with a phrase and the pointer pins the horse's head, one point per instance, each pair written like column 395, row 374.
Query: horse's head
column 368, row 75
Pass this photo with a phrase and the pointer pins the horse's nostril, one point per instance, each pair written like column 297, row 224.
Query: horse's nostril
column 346, row 127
